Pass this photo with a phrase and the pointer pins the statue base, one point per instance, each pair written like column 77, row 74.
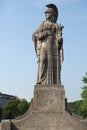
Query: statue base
column 49, row 98
column 47, row 112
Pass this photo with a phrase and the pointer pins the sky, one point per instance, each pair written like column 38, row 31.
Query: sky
column 19, row 19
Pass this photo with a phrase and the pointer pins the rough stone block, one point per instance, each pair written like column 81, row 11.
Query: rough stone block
column 5, row 125
column 49, row 98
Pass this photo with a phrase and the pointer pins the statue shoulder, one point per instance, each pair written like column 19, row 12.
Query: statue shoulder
column 41, row 25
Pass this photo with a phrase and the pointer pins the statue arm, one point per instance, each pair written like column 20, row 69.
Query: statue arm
column 42, row 32
column 59, row 41
column 61, row 55
column 38, row 34
column 36, row 37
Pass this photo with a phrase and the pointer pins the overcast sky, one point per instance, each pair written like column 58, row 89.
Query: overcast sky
column 18, row 61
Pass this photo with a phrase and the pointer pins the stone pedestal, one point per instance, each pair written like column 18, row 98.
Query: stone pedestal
column 47, row 112
column 49, row 98
column 5, row 125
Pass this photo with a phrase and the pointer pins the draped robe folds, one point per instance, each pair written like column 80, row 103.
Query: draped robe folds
column 48, row 52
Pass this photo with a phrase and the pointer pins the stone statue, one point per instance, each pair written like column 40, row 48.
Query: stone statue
column 48, row 43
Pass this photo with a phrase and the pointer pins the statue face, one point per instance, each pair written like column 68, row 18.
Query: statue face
column 48, row 16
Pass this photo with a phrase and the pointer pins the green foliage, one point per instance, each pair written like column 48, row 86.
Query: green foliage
column 85, row 79
column 22, row 107
column 14, row 108
column 0, row 112
column 75, row 107
column 84, row 96
column 80, row 107
column 10, row 109
column 84, row 92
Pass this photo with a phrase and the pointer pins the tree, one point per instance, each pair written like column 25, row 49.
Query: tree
column 0, row 113
column 14, row 108
column 22, row 107
column 75, row 107
column 84, row 96
column 10, row 109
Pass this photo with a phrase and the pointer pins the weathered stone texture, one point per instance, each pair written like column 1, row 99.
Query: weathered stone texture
column 49, row 98
column 5, row 125
column 48, row 42
column 47, row 112
column 49, row 121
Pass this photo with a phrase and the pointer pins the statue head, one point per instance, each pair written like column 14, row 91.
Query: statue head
column 53, row 10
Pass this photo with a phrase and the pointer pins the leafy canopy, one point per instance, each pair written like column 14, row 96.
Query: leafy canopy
column 84, row 96
column 14, row 108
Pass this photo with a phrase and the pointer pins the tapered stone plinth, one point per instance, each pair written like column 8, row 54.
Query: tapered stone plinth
column 47, row 112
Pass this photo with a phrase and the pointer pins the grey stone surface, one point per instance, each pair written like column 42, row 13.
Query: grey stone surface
column 49, row 121
column 47, row 113
column 5, row 125
column 49, row 98
column 48, row 43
